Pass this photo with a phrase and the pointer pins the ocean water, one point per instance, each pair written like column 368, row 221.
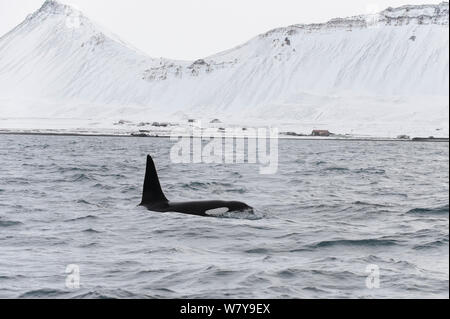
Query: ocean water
column 334, row 211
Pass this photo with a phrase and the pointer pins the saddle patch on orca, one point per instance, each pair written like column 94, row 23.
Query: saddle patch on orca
column 153, row 199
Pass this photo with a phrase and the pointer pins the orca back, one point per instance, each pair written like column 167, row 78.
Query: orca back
column 152, row 193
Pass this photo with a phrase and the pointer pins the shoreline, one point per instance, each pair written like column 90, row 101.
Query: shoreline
column 281, row 137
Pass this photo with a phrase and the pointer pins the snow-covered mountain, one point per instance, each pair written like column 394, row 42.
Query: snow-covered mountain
column 384, row 74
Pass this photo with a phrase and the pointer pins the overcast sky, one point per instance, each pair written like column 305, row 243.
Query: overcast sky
column 191, row 29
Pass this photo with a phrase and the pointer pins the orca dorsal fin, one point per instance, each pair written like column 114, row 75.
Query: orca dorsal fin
column 152, row 192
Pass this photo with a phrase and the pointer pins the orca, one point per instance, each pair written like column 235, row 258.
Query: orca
column 154, row 199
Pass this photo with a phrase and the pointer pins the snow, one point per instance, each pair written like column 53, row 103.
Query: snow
column 381, row 75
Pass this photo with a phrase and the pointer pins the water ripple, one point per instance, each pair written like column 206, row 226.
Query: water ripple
column 333, row 209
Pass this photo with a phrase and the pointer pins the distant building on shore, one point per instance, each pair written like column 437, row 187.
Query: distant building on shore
column 158, row 124
column 321, row 133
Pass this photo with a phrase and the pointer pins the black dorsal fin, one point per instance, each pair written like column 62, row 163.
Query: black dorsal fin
column 152, row 192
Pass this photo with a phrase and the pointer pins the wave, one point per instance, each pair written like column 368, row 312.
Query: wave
column 200, row 185
column 314, row 289
column 442, row 210
column 47, row 293
column 258, row 251
column 336, row 169
column 82, row 177
column 249, row 214
column 92, row 231
column 68, row 169
column 15, row 277
column 82, row 201
column 362, row 203
column 370, row 170
column 88, row 217
column 289, row 273
column 237, row 190
column 356, row 242
column 433, row 244
column 102, row 293
column 43, row 294
column 90, row 245
column 102, row 186
column 9, row 223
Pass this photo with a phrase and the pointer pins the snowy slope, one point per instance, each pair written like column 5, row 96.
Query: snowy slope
column 384, row 75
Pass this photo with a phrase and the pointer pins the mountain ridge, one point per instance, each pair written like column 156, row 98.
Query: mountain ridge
column 388, row 68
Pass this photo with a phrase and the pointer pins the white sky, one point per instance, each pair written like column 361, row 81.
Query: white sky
column 191, row 29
